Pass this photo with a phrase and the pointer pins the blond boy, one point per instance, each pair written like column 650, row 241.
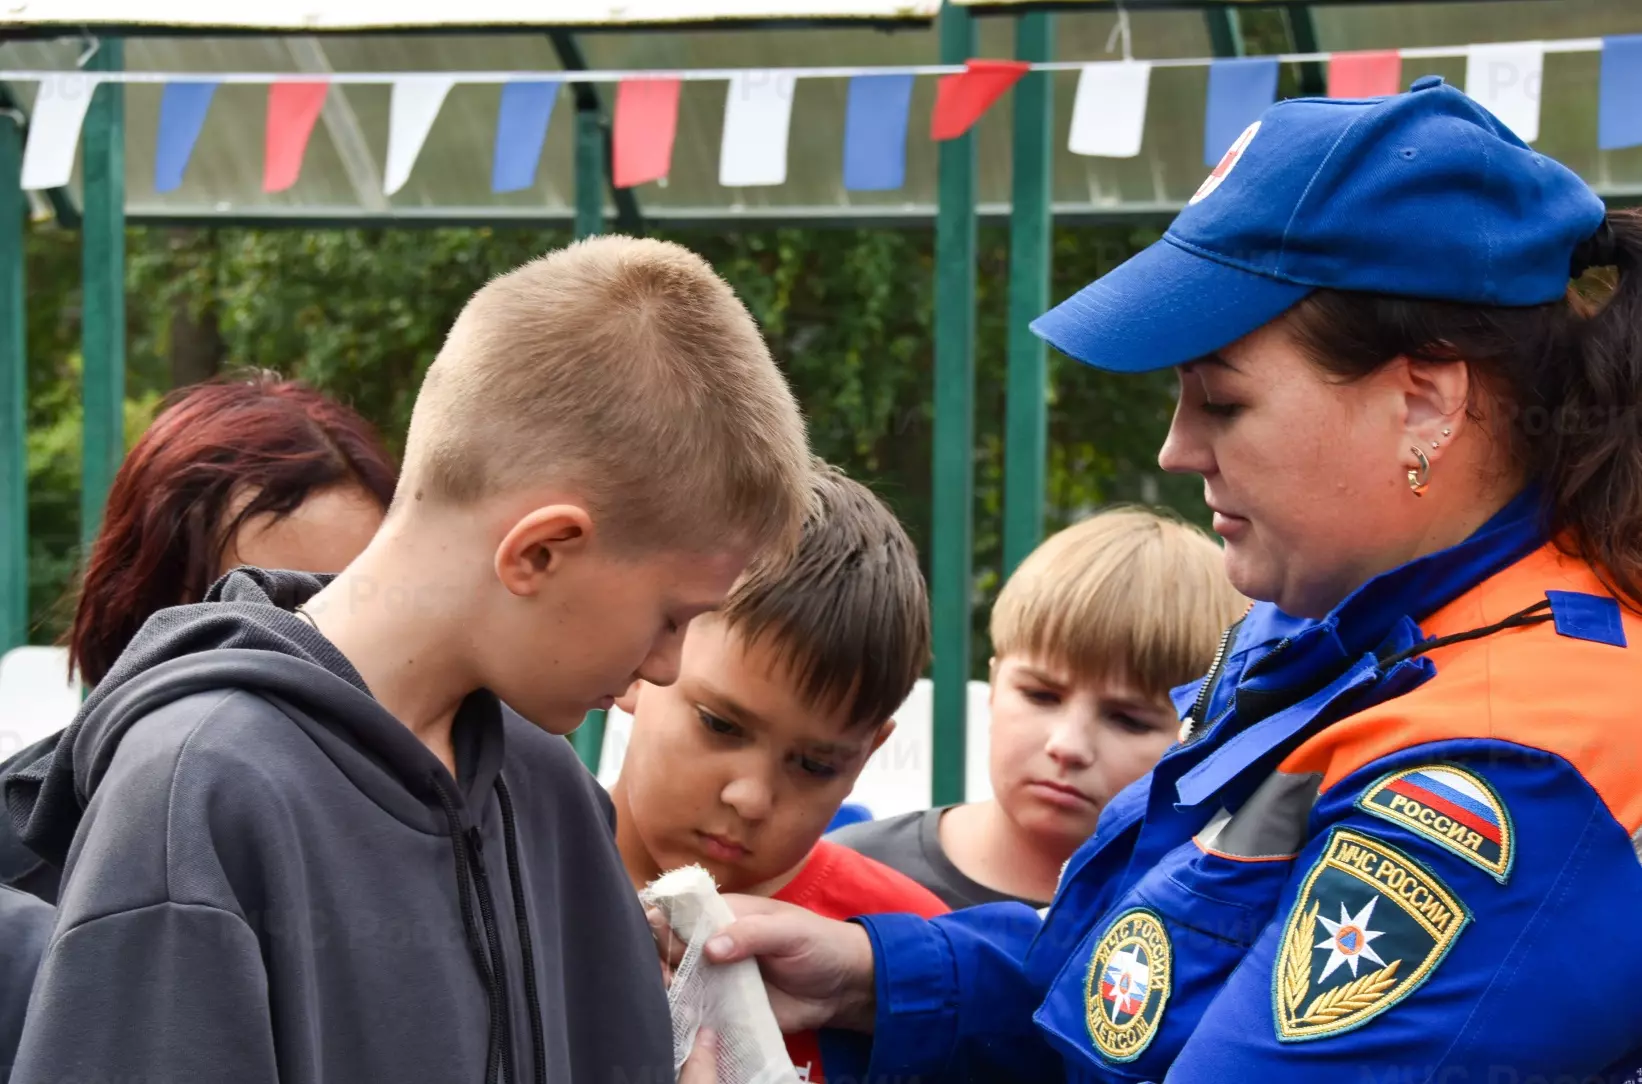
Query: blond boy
column 1089, row 635
column 303, row 838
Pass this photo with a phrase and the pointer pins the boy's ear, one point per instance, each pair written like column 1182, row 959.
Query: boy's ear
column 629, row 700
column 538, row 545
column 882, row 736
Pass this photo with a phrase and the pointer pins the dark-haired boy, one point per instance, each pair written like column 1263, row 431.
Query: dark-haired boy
column 781, row 697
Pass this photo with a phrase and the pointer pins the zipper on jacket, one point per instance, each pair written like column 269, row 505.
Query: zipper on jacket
column 1188, row 725
column 503, row 1034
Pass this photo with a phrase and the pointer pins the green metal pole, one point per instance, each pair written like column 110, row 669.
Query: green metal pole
column 588, row 738
column 1303, row 35
column 951, row 556
column 590, row 155
column 14, row 535
column 1225, row 31
column 103, row 276
column 1026, row 423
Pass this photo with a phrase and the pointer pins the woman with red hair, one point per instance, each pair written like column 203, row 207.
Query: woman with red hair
column 255, row 471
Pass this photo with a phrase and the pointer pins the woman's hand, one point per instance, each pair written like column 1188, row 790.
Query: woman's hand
column 818, row 971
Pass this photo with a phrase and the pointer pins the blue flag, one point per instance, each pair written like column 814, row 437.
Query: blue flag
column 1239, row 91
column 182, row 113
column 521, row 126
column 875, row 132
column 1619, row 116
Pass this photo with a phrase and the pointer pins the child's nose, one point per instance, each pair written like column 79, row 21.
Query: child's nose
column 749, row 796
column 1069, row 744
column 662, row 667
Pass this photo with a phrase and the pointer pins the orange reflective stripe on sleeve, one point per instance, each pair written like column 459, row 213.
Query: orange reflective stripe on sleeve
column 1531, row 687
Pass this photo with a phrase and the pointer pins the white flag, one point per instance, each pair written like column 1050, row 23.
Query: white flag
column 1505, row 80
column 54, row 130
column 757, row 114
column 415, row 104
column 1109, row 113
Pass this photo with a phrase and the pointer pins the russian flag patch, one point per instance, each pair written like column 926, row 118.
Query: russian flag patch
column 1450, row 806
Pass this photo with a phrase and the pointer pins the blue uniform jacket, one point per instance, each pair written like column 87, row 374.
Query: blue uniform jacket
column 1385, row 853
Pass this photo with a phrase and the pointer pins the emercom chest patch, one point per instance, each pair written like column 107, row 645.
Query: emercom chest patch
column 1130, row 974
column 1369, row 927
column 1451, row 807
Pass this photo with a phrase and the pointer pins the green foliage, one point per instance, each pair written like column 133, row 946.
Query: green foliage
column 361, row 313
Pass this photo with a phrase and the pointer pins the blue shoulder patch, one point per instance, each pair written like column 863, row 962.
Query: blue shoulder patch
column 1587, row 617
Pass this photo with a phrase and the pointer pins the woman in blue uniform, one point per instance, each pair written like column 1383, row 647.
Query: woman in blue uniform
column 1399, row 837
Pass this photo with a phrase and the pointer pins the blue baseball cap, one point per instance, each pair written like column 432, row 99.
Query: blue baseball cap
column 1424, row 194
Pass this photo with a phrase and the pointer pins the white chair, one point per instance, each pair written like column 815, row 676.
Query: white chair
column 898, row 777
column 38, row 696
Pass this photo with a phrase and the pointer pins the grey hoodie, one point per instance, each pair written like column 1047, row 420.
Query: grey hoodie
column 266, row 877
column 25, row 924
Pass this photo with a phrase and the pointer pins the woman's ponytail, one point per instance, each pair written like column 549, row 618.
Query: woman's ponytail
column 1591, row 454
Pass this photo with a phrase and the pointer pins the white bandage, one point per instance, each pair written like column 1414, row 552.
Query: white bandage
column 729, row 998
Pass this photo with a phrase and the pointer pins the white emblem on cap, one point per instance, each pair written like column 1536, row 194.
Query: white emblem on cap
column 1227, row 161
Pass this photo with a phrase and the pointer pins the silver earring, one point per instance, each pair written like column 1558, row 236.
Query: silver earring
column 1419, row 477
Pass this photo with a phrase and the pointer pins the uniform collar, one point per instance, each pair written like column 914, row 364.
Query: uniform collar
column 1414, row 590
column 1272, row 652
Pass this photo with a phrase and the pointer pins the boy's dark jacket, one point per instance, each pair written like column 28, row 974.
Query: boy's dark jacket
column 266, row 877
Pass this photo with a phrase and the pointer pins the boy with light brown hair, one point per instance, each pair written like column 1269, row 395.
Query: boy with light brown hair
column 1089, row 635
column 303, row 802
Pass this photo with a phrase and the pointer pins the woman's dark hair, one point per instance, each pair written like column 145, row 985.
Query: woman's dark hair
column 166, row 523
column 1565, row 380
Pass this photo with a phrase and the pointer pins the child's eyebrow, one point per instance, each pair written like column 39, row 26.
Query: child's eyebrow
column 1044, row 676
column 1135, row 704
column 726, row 705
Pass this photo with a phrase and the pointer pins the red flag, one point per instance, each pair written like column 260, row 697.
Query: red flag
column 1365, row 75
column 646, row 122
column 961, row 99
column 292, row 110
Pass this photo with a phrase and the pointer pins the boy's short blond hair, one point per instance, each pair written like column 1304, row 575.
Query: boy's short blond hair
column 629, row 372
column 1128, row 593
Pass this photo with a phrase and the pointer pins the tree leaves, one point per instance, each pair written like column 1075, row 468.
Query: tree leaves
column 848, row 314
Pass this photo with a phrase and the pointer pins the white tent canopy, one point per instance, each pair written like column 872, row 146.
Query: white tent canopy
column 305, row 16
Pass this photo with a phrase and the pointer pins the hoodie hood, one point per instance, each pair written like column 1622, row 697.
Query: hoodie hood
column 245, row 635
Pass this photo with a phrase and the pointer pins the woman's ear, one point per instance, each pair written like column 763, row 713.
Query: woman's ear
column 1435, row 394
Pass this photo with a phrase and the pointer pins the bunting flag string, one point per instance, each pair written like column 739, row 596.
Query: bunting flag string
column 1109, row 112
column 293, row 108
column 183, row 107
column 521, row 129
column 757, row 116
column 1108, row 116
column 1365, row 74
column 875, row 132
column 961, row 99
column 1619, row 110
column 54, row 130
column 1239, row 91
column 414, row 108
column 1505, row 79
column 646, row 124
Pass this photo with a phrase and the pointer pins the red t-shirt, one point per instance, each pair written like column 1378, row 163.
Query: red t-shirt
column 837, row 882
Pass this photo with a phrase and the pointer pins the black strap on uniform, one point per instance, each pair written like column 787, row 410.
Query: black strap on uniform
column 1537, row 614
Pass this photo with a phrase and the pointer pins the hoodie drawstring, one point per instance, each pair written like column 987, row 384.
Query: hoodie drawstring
column 470, row 874
column 492, row 970
column 527, row 949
